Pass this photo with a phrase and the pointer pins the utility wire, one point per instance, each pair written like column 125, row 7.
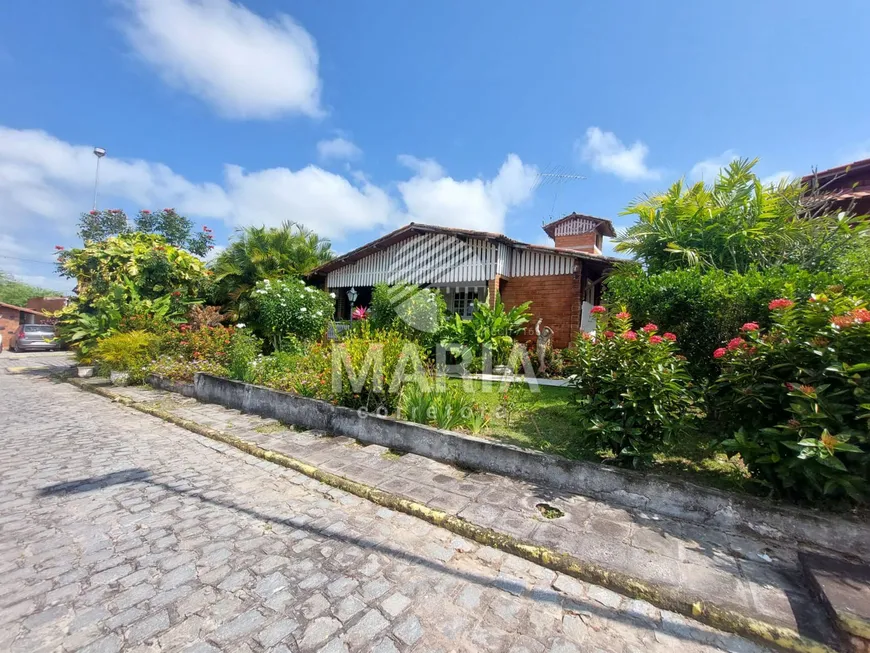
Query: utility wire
column 29, row 260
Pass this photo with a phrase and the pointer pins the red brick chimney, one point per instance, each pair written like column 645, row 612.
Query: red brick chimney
column 582, row 233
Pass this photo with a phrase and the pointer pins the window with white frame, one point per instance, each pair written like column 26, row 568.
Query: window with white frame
column 463, row 301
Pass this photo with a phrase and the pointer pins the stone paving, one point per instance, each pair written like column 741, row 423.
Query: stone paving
column 755, row 577
column 119, row 531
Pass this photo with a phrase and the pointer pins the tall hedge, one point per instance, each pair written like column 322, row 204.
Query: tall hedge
column 706, row 308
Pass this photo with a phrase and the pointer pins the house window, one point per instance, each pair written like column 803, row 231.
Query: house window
column 463, row 301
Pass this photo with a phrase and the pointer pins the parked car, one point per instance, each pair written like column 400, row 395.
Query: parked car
column 34, row 337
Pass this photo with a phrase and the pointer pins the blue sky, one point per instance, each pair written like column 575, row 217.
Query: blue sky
column 356, row 118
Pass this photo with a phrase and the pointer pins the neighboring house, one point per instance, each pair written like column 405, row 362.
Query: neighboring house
column 846, row 186
column 562, row 282
column 11, row 317
column 47, row 304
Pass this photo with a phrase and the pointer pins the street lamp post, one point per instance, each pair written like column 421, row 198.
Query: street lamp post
column 352, row 295
column 99, row 152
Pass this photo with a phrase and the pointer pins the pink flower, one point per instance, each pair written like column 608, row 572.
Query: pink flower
column 656, row 340
column 750, row 326
column 649, row 328
column 609, row 334
column 669, row 336
column 629, row 335
column 736, row 343
column 168, row 210
column 598, row 310
column 93, row 212
column 146, row 211
column 781, row 303
column 59, row 248
column 719, row 353
column 360, row 313
column 623, row 315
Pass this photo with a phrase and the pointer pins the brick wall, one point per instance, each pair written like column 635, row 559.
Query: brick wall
column 554, row 298
column 580, row 242
column 493, row 288
column 8, row 325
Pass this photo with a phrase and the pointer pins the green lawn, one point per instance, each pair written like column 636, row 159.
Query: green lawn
column 547, row 421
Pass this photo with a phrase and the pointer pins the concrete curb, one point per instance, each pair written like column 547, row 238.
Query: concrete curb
column 662, row 597
column 675, row 498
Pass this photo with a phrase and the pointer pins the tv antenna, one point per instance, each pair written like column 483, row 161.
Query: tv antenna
column 555, row 176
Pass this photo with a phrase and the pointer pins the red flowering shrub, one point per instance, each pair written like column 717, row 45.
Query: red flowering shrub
column 634, row 394
column 798, row 397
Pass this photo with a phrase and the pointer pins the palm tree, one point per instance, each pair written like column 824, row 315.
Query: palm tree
column 259, row 253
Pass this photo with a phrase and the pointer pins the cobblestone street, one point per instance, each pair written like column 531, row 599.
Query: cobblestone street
column 119, row 531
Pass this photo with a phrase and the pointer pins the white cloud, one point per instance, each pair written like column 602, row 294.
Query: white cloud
column 325, row 202
column 46, row 182
column 606, row 153
column 338, row 148
column 777, row 177
column 213, row 253
column 45, row 178
column 432, row 197
column 708, row 169
column 245, row 65
column 426, row 168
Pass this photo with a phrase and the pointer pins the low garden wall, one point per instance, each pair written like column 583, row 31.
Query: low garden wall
column 671, row 498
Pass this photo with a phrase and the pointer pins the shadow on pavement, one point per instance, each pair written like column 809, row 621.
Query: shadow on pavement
column 684, row 630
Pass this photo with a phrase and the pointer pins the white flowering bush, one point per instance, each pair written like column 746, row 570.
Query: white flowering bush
column 289, row 307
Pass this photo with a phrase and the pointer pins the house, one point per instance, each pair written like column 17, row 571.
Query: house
column 563, row 282
column 47, row 304
column 845, row 187
column 12, row 317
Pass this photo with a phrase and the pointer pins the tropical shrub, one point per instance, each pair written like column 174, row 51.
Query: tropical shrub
column 798, row 396
column 417, row 313
column 737, row 223
column 207, row 343
column 366, row 370
column 148, row 261
column 371, row 366
column 259, row 253
column 122, row 309
column 634, row 392
column 127, row 352
column 704, row 309
column 307, row 373
column 244, row 349
column 178, row 368
column 493, row 328
column 289, row 307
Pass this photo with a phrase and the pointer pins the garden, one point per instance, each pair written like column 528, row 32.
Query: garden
column 734, row 349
